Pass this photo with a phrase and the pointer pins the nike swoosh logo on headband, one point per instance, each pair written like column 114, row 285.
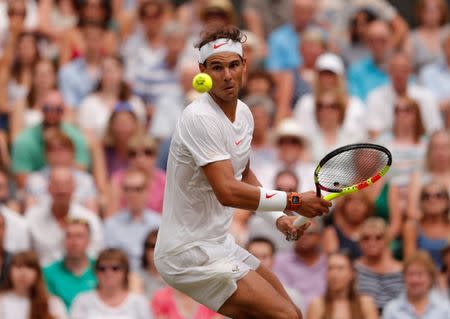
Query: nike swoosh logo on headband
column 216, row 46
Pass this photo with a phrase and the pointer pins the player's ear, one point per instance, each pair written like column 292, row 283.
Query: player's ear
column 202, row 67
column 244, row 65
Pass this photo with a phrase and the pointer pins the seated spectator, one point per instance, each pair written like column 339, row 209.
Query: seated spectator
column 168, row 302
column 330, row 75
column 148, row 278
column 354, row 48
column 27, row 112
column 127, row 228
column 17, row 235
column 381, row 101
column 264, row 249
column 24, row 295
column 5, row 256
column 444, row 276
column 328, row 131
column 48, row 219
column 286, row 181
column 419, row 300
column 313, row 45
column 97, row 107
column 6, row 198
column 122, row 125
column 142, row 151
column 259, row 82
column 60, row 152
column 436, row 168
column 341, row 298
column 304, row 265
column 350, row 213
column 89, row 12
column 431, row 232
column 73, row 274
column 28, row 154
column 263, row 111
column 407, row 143
column 368, row 73
column 292, row 153
column 379, row 275
column 423, row 43
column 18, row 62
column 436, row 76
column 79, row 77
column 112, row 298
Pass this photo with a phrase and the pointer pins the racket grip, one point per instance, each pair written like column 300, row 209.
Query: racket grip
column 300, row 221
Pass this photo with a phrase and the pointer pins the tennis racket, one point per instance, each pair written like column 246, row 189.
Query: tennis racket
column 349, row 169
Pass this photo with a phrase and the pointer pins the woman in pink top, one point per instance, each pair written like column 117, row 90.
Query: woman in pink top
column 142, row 150
column 168, row 303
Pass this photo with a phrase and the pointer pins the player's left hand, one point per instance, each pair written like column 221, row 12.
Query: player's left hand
column 285, row 224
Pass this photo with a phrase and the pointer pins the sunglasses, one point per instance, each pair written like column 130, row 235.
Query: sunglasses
column 369, row 237
column 289, row 140
column 429, row 195
column 403, row 109
column 330, row 106
column 16, row 13
column 114, row 268
column 134, row 189
column 135, row 153
column 150, row 245
column 48, row 108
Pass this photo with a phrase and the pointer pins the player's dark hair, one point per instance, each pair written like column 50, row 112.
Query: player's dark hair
column 221, row 32
column 262, row 239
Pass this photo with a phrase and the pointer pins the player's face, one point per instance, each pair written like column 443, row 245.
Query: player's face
column 226, row 70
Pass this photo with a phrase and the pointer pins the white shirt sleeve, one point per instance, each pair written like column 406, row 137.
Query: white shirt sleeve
column 202, row 136
column 57, row 308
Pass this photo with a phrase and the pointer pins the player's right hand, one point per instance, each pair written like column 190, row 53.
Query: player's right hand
column 312, row 206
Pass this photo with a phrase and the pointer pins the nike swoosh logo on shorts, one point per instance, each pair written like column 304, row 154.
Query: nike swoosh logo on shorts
column 238, row 142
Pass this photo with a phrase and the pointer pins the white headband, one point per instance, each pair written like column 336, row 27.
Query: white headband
column 217, row 46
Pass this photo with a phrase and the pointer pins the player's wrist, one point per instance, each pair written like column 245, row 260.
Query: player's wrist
column 294, row 201
column 271, row 200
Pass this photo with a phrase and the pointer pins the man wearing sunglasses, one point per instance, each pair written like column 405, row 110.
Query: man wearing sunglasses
column 28, row 152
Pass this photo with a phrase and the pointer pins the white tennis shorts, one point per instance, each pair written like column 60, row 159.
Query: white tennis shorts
column 207, row 272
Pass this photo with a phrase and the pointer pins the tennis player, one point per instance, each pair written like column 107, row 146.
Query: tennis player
column 208, row 174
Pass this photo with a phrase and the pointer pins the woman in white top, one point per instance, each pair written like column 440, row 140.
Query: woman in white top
column 97, row 107
column 24, row 295
column 327, row 131
column 330, row 74
column 112, row 299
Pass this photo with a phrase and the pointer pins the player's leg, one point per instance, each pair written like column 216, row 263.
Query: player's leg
column 255, row 297
column 275, row 282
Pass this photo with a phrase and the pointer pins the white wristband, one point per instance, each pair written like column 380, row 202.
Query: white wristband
column 271, row 200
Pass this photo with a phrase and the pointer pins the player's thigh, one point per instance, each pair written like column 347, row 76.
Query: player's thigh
column 255, row 297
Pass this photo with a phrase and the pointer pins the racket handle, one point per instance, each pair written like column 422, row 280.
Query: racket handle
column 300, row 221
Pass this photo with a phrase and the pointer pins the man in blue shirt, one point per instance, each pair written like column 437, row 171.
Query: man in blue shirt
column 73, row 274
column 369, row 73
column 80, row 77
column 128, row 228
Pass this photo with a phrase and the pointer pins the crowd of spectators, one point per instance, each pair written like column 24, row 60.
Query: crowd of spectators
column 90, row 94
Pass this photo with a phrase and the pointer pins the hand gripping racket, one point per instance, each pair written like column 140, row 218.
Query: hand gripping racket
column 349, row 169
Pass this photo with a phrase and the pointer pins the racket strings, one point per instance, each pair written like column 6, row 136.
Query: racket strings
column 351, row 167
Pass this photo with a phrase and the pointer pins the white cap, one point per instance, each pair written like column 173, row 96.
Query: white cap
column 330, row 62
column 289, row 127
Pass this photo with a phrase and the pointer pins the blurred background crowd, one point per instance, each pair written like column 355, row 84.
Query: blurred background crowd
column 90, row 93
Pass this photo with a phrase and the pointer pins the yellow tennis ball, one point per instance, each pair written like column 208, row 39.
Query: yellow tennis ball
column 202, row 82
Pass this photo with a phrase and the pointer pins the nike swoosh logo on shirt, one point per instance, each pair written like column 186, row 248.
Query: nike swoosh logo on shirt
column 270, row 195
column 238, row 142
column 216, row 46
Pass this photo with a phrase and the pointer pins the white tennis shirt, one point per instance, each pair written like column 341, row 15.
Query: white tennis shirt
column 191, row 212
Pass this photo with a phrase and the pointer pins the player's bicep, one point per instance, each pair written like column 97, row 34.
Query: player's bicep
column 220, row 176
